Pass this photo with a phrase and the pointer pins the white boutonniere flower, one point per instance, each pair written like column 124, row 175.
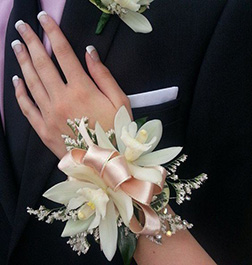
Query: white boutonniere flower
column 129, row 11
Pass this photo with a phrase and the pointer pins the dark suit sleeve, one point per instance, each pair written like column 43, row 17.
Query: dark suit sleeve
column 218, row 140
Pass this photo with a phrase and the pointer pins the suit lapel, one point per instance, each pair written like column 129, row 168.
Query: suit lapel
column 13, row 142
column 39, row 161
column 16, row 125
column 8, row 191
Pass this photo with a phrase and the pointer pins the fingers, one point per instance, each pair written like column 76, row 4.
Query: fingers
column 64, row 53
column 104, row 80
column 28, row 108
column 41, row 61
column 31, row 77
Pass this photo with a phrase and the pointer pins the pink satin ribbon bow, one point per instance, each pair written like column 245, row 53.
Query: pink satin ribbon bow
column 113, row 169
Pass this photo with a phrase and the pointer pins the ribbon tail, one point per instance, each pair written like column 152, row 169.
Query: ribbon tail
column 83, row 131
column 152, row 223
column 158, row 188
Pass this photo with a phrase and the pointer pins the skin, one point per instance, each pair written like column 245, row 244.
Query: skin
column 56, row 101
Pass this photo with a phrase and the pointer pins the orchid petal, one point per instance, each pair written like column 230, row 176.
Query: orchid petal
column 154, row 128
column 159, row 157
column 137, row 22
column 98, row 197
column 143, row 2
column 79, row 171
column 131, row 5
column 132, row 129
column 107, row 2
column 95, row 222
column 75, row 227
column 75, row 203
column 63, row 192
column 132, row 143
column 91, row 178
column 108, row 232
column 122, row 119
column 145, row 174
column 88, row 185
column 102, row 138
column 123, row 203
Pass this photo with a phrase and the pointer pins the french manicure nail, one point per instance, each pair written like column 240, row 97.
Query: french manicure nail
column 17, row 46
column 42, row 17
column 93, row 53
column 20, row 26
column 15, row 80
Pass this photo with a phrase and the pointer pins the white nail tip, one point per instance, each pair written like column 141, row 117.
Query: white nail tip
column 15, row 80
column 42, row 13
column 15, row 42
column 90, row 48
column 15, row 77
column 18, row 23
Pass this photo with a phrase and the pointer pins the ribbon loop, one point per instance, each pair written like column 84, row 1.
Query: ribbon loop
column 113, row 169
column 116, row 172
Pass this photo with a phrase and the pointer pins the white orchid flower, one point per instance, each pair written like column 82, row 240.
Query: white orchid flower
column 128, row 11
column 129, row 4
column 137, row 146
column 97, row 204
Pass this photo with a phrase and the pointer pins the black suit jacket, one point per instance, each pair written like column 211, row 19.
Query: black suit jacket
column 205, row 48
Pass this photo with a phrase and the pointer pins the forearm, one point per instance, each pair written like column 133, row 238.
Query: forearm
column 181, row 248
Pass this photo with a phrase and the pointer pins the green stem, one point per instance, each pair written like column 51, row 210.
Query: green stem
column 102, row 23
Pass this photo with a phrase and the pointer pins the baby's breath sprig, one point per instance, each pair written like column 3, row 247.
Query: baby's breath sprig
column 182, row 187
column 79, row 142
column 79, row 243
column 47, row 215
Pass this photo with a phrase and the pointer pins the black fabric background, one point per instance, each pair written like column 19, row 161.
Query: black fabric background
column 205, row 48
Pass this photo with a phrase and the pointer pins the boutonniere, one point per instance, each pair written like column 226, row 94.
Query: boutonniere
column 129, row 11
column 117, row 189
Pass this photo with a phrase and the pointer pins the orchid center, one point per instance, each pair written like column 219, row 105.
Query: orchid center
column 86, row 211
column 142, row 136
column 135, row 143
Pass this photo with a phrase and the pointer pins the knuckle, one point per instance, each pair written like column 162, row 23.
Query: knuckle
column 81, row 93
column 41, row 63
column 31, row 84
column 104, row 73
column 59, row 110
column 25, row 111
column 18, row 94
column 50, row 27
column 125, row 101
column 45, row 136
column 22, row 58
column 62, row 49
column 28, row 37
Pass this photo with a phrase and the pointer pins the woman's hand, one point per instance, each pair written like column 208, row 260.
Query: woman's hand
column 56, row 101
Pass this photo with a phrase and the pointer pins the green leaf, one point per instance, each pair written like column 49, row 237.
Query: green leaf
column 126, row 244
column 140, row 122
column 102, row 23
column 162, row 199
